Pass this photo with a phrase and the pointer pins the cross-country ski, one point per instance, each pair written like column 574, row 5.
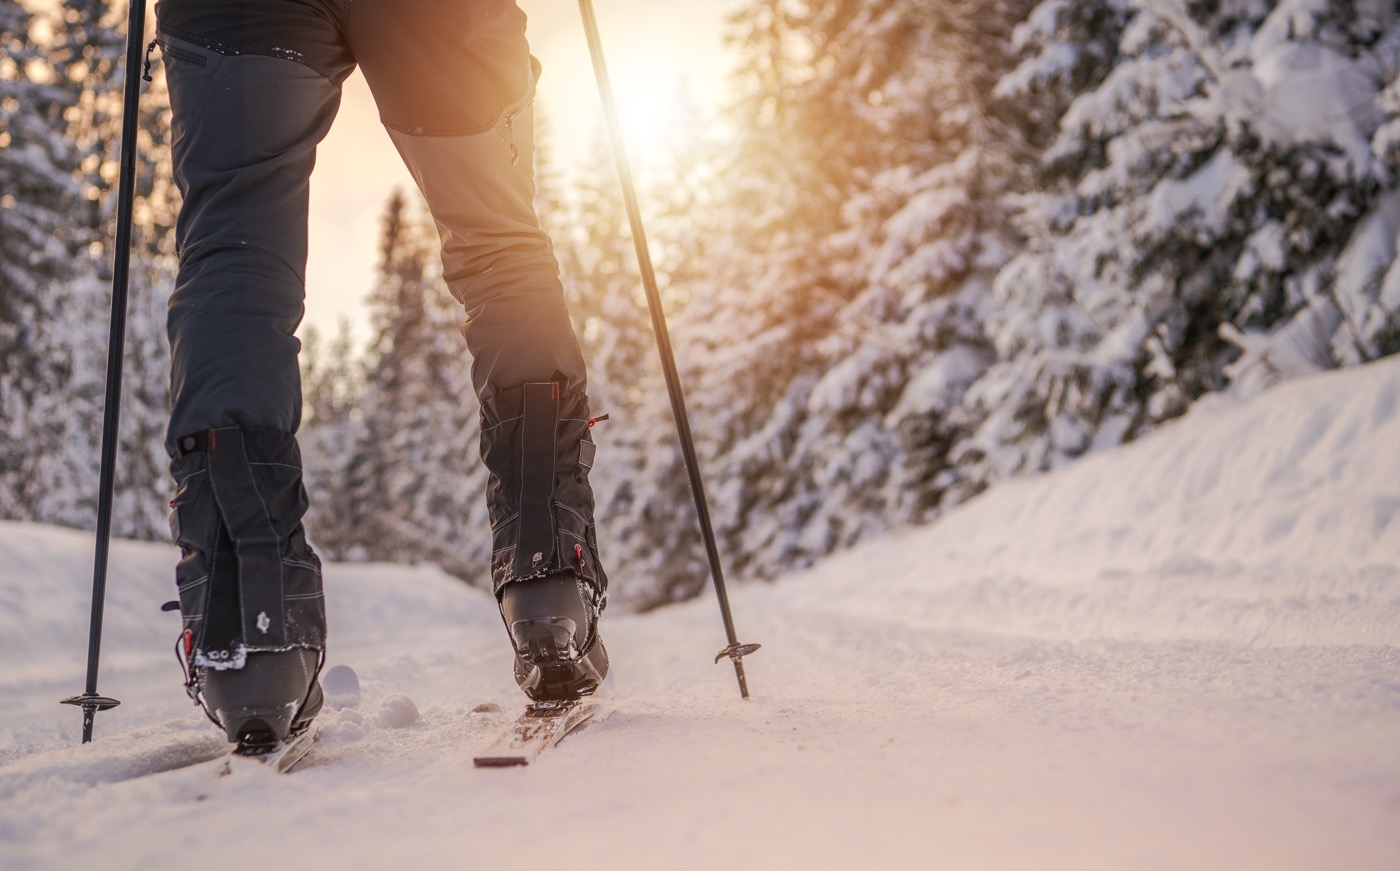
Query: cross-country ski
column 542, row 726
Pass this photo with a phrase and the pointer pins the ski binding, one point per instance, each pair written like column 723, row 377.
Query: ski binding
column 281, row 757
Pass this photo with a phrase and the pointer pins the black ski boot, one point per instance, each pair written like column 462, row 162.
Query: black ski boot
column 249, row 585
column 553, row 623
column 545, row 569
column 273, row 697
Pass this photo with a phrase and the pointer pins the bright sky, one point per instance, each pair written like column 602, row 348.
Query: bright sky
column 651, row 48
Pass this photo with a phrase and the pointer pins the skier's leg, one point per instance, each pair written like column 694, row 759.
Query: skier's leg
column 454, row 82
column 245, row 121
column 254, row 86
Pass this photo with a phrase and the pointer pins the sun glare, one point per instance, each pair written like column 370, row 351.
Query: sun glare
column 667, row 64
column 649, row 112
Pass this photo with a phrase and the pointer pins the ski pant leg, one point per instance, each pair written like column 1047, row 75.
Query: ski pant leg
column 254, row 86
column 454, row 82
column 244, row 131
column 247, row 579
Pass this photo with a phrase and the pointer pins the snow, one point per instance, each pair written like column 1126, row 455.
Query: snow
column 1315, row 94
column 1179, row 653
column 1362, row 266
column 1203, row 198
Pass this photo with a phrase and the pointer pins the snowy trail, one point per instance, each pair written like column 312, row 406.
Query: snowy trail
column 1180, row 654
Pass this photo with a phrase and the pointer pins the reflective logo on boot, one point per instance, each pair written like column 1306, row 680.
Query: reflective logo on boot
column 536, row 559
column 263, row 623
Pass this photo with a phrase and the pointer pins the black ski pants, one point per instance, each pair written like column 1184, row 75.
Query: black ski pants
column 254, row 87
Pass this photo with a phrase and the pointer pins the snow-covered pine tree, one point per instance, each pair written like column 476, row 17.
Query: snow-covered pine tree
column 679, row 187
column 646, row 528
column 69, row 56
column 416, row 483
column 1209, row 164
column 1069, row 49
column 1329, row 106
column 771, row 290
column 41, row 191
column 344, row 443
column 585, row 217
column 333, row 386
column 924, row 228
column 1367, row 290
column 864, row 219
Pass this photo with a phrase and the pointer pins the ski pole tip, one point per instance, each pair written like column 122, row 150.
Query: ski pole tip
column 91, row 703
column 736, row 654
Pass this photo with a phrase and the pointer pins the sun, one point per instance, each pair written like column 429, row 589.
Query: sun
column 650, row 113
column 666, row 65
column 656, row 52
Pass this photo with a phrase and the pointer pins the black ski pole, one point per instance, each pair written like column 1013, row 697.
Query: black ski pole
column 735, row 651
column 90, row 701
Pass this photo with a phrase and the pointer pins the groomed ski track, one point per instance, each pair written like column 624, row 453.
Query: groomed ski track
column 1184, row 653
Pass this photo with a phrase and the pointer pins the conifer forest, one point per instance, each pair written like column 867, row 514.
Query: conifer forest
column 939, row 244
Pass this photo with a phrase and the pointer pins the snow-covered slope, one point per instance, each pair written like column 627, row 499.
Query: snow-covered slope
column 1184, row 653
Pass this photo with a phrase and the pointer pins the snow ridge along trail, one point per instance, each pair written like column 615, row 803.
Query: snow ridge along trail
column 1184, row 653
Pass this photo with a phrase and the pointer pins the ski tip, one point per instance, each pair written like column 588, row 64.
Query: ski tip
column 500, row 761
